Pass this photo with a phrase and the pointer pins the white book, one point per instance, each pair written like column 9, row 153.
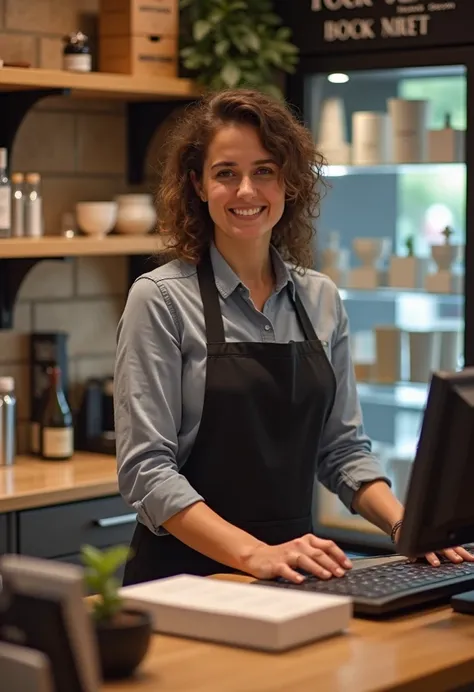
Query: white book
column 242, row 614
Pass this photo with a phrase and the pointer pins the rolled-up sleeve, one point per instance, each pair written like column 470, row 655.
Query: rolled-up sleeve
column 147, row 405
column 345, row 460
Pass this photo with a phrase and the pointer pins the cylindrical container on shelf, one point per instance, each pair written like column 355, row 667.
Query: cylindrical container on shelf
column 387, row 368
column 371, row 140
column 451, row 349
column 18, row 205
column 409, row 120
column 33, row 206
column 7, row 421
column 332, row 122
column 424, row 355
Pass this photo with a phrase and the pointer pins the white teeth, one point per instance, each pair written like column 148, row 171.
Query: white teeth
column 247, row 212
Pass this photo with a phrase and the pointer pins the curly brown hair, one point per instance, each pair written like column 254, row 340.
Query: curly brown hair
column 185, row 217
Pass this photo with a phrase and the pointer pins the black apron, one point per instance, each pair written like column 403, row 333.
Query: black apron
column 254, row 458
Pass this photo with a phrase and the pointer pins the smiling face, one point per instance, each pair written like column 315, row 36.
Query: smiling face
column 242, row 185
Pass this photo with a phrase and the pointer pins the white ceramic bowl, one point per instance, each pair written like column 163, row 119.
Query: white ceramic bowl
column 136, row 214
column 96, row 218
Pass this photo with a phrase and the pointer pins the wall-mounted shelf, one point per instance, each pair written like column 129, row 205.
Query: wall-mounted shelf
column 57, row 246
column 97, row 84
column 150, row 100
column 19, row 255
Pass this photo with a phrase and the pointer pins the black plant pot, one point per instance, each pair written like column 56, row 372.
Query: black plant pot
column 122, row 643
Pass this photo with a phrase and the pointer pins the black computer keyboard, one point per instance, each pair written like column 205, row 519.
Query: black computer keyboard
column 390, row 588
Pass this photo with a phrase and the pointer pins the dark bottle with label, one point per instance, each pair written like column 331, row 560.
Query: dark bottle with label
column 57, row 432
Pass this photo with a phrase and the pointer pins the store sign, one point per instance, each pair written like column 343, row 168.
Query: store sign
column 327, row 26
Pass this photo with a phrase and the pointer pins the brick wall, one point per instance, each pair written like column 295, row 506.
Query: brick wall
column 79, row 148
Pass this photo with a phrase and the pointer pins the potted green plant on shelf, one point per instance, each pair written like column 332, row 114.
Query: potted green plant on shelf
column 123, row 635
column 236, row 43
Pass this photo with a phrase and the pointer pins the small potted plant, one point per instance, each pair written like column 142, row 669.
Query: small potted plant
column 123, row 635
column 235, row 44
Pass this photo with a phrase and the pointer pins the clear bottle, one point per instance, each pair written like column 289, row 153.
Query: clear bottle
column 5, row 196
column 7, row 421
column 33, row 206
column 18, row 206
column 56, row 432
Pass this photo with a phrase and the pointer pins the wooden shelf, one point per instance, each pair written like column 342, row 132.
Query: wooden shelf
column 57, row 246
column 97, row 84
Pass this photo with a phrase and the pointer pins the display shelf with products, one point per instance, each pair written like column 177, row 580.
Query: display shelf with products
column 393, row 236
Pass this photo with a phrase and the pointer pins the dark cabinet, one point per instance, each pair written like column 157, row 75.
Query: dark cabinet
column 61, row 530
column 3, row 534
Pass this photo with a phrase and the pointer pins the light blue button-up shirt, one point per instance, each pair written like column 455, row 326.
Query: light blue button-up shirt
column 160, row 377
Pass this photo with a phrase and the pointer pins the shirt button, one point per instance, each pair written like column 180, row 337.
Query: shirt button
column 267, row 327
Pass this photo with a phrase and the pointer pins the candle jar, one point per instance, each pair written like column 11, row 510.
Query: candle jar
column 77, row 53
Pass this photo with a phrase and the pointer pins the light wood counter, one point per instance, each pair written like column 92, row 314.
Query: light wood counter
column 31, row 482
column 433, row 651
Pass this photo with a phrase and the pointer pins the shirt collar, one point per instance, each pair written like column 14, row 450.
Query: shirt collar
column 227, row 280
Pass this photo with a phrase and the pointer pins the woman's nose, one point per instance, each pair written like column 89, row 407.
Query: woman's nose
column 246, row 188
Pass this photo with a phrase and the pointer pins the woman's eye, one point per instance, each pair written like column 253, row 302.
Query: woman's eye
column 265, row 171
column 224, row 174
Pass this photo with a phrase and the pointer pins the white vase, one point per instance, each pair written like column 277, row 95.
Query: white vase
column 136, row 214
column 371, row 141
column 409, row 120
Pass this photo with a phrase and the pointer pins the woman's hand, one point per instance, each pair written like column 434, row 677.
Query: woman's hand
column 455, row 555
column 308, row 554
column 452, row 554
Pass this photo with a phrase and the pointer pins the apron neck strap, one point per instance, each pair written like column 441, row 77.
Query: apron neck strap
column 305, row 322
column 210, row 301
column 212, row 311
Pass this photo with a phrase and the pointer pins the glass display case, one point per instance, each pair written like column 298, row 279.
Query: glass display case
column 392, row 234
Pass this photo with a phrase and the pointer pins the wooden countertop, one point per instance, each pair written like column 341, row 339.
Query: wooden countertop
column 434, row 650
column 31, row 482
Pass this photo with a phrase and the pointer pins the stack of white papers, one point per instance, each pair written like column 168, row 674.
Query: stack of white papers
column 248, row 615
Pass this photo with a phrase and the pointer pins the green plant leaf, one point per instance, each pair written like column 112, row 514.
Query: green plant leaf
column 91, row 557
column 201, row 28
column 230, row 74
column 222, row 47
column 113, row 558
column 253, row 41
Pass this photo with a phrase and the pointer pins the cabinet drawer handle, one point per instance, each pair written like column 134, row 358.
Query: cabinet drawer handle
column 106, row 522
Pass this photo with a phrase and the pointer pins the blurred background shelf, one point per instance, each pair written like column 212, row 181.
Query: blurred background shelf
column 405, row 395
column 393, row 294
column 338, row 171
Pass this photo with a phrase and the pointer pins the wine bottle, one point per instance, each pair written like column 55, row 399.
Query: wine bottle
column 57, row 432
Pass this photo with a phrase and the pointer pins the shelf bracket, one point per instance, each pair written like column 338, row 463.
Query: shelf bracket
column 14, row 105
column 143, row 119
column 13, row 270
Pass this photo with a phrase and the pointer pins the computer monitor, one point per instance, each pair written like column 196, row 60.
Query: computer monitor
column 439, row 507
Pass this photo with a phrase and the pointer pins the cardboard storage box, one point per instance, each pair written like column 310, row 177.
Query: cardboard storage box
column 139, row 37
column 139, row 17
column 139, row 55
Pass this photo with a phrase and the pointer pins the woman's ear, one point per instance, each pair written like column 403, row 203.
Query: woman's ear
column 197, row 186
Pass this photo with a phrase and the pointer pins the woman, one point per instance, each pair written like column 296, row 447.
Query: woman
column 234, row 386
